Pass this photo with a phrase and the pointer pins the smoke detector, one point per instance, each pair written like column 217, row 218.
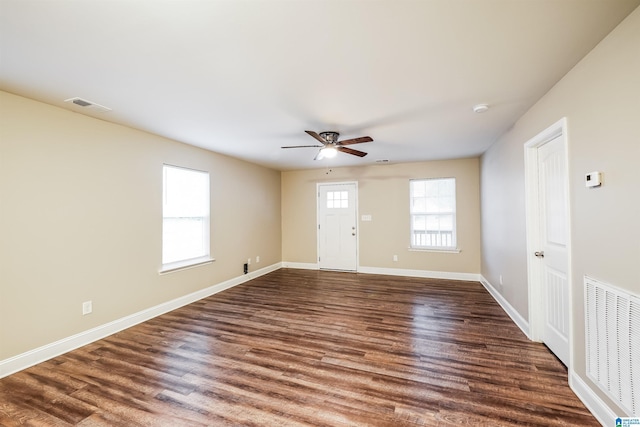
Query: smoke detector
column 480, row 108
column 88, row 105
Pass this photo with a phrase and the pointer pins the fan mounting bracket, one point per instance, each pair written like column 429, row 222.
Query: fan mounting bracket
column 330, row 137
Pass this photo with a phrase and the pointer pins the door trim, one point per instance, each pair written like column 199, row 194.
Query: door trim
column 533, row 230
column 320, row 184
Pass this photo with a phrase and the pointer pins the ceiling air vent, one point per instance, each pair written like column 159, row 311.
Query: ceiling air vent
column 88, row 105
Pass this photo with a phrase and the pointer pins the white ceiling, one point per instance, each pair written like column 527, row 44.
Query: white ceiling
column 244, row 77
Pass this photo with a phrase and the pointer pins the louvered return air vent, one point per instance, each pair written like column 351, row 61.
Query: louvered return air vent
column 613, row 342
column 88, row 105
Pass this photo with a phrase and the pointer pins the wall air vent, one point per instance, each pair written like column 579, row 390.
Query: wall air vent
column 613, row 342
column 88, row 105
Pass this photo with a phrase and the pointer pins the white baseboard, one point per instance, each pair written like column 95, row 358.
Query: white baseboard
column 49, row 351
column 425, row 274
column 520, row 321
column 301, row 265
column 393, row 271
column 603, row 413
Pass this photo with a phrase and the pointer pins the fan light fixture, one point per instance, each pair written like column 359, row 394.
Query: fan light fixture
column 327, row 153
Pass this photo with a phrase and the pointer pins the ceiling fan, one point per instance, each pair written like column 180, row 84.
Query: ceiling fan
column 330, row 144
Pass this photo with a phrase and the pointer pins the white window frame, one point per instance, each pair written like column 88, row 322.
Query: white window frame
column 438, row 241
column 183, row 208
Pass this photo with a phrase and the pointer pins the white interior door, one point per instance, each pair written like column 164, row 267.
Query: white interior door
column 337, row 222
column 553, row 253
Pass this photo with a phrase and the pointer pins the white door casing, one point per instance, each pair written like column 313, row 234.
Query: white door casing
column 337, row 226
column 548, row 241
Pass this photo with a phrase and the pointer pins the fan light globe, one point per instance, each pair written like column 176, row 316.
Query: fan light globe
column 329, row 152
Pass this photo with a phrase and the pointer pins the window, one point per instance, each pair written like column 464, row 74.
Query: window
column 185, row 217
column 337, row 199
column 433, row 213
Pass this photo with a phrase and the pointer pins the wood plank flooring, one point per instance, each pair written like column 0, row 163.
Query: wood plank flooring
column 308, row 348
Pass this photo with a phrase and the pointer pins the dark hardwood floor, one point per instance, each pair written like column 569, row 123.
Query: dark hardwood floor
column 308, row 348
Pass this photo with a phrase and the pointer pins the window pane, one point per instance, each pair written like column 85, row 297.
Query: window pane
column 433, row 223
column 185, row 192
column 431, row 188
column 446, row 222
column 183, row 239
column 419, row 222
column 432, row 205
column 337, row 199
column 344, row 199
column 418, row 205
column 418, row 188
column 447, row 204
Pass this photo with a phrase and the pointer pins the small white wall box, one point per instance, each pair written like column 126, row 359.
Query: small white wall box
column 593, row 179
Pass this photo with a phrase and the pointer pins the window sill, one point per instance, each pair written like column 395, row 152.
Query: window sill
column 441, row 251
column 184, row 265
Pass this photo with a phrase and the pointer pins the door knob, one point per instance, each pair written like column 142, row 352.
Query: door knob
column 539, row 254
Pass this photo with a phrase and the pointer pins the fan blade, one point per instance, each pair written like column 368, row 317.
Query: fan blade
column 351, row 151
column 303, row 146
column 356, row 140
column 316, row 136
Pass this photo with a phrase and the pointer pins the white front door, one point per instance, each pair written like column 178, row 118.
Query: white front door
column 337, row 221
column 553, row 252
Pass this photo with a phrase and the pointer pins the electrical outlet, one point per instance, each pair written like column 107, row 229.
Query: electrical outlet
column 87, row 308
column 395, row 258
column 257, row 259
column 249, row 261
column 501, row 279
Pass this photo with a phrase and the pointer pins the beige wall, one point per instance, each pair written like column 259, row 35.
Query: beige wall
column 601, row 99
column 383, row 193
column 81, row 219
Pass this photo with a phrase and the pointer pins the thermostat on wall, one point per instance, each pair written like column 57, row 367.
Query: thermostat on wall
column 593, row 179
